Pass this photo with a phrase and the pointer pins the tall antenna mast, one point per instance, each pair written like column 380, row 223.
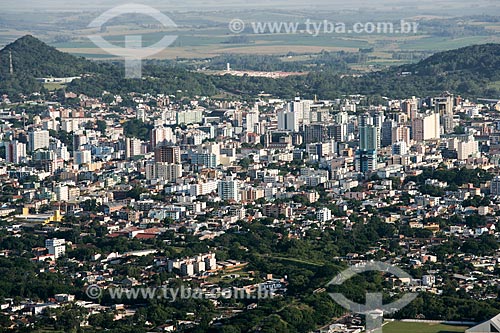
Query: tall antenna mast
column 11, row 66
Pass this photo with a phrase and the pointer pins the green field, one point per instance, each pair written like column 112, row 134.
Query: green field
column 53, row 86
column 401, row 327
column 205, row 34
column 494, row 85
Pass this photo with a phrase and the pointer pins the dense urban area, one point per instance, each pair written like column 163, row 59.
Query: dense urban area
column 246, row 200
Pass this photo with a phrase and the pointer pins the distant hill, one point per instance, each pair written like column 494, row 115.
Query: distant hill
column 33, row 57
column 472, row 71
column 478, row 59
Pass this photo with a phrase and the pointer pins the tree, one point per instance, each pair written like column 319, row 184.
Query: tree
column 136, row 192
column 135, row 128
column 245, row 162
column 101, row 126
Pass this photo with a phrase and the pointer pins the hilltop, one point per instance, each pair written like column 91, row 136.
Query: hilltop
column 33, row 57
column 476, row 59
column 472, row 71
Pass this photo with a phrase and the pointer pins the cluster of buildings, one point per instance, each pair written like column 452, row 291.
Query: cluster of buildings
column 192, row 266
column 199, row 166
column 195, row 150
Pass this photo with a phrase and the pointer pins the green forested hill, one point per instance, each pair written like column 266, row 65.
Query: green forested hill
column 477, row 59
column 31, row 56
column 472, row 71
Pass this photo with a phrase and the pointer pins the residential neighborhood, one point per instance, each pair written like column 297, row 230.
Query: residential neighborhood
column 162, row 192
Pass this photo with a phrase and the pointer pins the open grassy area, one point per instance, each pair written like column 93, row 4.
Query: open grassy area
column 494, row 85
column 400, row 327
column 53, row 86
column 296, row 261
column 206, row 34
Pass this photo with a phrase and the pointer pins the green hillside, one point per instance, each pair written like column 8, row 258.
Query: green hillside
column 33, row 57
column 472, row 71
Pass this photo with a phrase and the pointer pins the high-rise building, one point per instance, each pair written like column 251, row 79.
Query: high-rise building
column 341, row 117
column 238, row 118
column 83, row 157
column 206, row 160
column 211, row 148
column 467, row 148
column 38, row 139
column 324, row 215
column 444, row 107
column 163, row 171
column 426, row 127
column 252, row 119
column 301, row 109
column 187, row 268
column 79, row 140
column 228, row 189
column 365, row 119
column 495, row 186
column 161, row 135
column 169, row 172
column 318, row 132
column 401, row 133
column 462, row 147
column 210, row 261
column 366, row 160
column 141, row 115
column 56, row 247
column 369, row 137
column 15, row 152
column 410, row 108
column 386, row 132
column 400, row 148
column 444, row 104
column 60, row 150
column 133, row 147
column 203, row 188
column 295, row 114
column 189, row 117
column 288, row 121
column 168, row 154
column 320, row 115
column 378, row 119
column 321, row 149
column 62, row 192
column 340, row 132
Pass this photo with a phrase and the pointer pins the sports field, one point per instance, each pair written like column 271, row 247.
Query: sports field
column 402, row 327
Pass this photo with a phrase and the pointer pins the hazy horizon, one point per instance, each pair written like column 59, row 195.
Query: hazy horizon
column 492, row 6
column 203, row 26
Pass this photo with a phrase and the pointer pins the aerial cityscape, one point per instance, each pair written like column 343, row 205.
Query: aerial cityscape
column 337, row 189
